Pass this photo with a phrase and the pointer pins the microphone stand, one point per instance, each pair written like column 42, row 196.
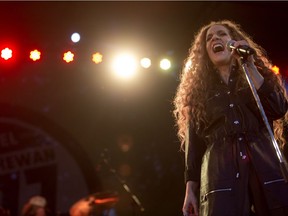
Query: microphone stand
column 282, row 161
column 122, row 182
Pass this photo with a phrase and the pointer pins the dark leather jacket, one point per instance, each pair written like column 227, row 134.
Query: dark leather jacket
column 234, row 136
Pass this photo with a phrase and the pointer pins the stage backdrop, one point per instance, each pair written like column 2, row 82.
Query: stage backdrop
column 37, row 157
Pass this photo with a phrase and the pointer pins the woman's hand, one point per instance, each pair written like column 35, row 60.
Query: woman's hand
column 190, row 206
column 257, row 78
column 234, row 52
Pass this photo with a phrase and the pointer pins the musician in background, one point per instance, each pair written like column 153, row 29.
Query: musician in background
column 36, row 206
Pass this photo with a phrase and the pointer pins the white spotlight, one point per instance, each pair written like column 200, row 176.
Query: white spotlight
column 145, row 62
column 75, row 37
column 124, row 66
column 165, row 64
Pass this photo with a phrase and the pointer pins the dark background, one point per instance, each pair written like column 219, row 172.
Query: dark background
column 99, row 111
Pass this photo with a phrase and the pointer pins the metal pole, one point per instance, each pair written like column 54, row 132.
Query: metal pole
column 123, row 183
column 283, row 166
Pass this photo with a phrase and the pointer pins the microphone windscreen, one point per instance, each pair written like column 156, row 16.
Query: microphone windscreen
column 230, row 44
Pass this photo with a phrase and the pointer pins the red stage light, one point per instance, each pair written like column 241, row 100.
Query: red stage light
column 68, row 56
column 35, row 55
column 276, row 69
column 6, row 53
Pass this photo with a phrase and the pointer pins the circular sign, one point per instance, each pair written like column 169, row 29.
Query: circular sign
column 39, row 158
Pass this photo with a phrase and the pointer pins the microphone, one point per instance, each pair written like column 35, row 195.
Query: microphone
column 242, row 50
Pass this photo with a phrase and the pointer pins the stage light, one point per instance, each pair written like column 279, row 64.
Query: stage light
column 75, row 37
column 97, row 57
column 145, row 62
column 165, row 64
column 35, row 55
column 6, row 53
column 276, row 69
column 125, row 66
column 68, row 56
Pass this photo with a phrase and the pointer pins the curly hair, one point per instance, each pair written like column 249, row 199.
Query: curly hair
column 192, row 91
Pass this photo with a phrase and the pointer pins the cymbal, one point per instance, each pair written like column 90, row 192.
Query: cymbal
column 106, row 198
column 85, row 205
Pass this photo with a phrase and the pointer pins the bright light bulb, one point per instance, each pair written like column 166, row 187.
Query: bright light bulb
column 276, row 69
column 68, row 56
column 125, row 66
column 97, row 58
column 145, row 62
column 165, row 64
column 6, row 53
column 35, row 55
column 75, row 37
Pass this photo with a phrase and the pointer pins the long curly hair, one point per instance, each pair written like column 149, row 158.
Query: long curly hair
column 192, row 91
